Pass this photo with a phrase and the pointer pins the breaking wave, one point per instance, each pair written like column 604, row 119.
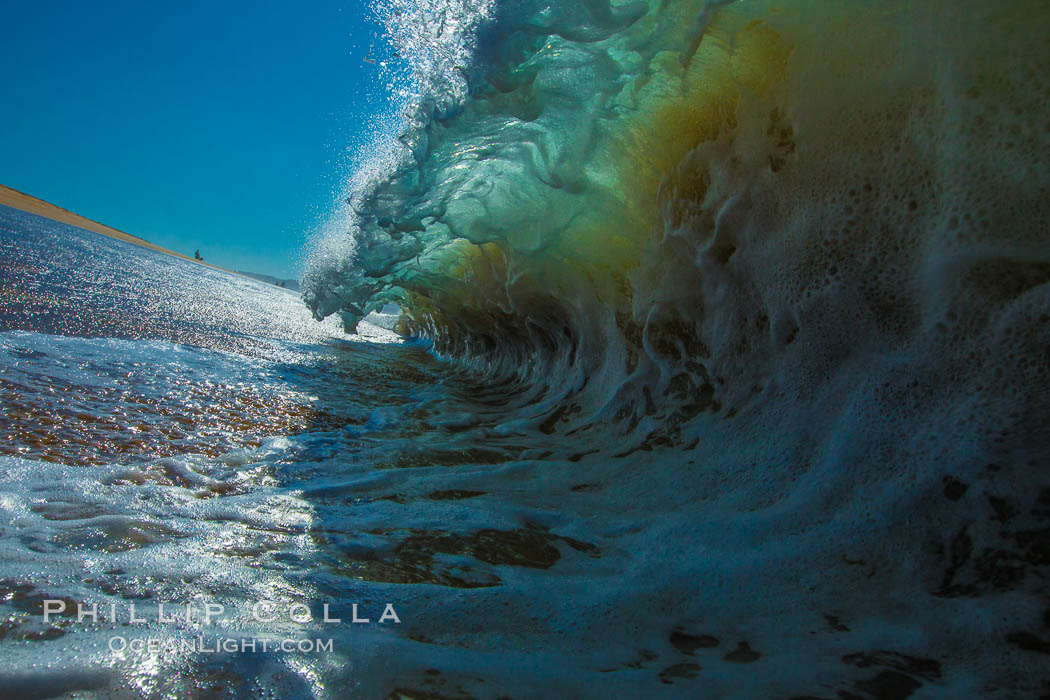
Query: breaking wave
column 779, row 266
column 679, row 207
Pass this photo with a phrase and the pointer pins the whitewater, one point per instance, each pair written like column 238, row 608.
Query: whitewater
column 720, row 370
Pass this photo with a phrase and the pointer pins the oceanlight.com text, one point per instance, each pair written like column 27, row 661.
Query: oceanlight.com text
column 227, row 645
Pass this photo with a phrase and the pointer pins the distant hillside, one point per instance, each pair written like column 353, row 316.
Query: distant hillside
column 291, row 285
column 20, row 200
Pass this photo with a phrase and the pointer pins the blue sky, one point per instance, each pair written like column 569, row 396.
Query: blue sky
column 220, row 125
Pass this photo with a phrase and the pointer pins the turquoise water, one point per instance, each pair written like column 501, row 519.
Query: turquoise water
column 721, row 373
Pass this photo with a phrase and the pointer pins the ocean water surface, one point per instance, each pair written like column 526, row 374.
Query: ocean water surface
column 720, row 371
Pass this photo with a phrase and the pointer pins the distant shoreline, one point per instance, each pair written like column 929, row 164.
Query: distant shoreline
column 34, row 205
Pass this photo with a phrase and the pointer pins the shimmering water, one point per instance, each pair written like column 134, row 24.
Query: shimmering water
column 163, row 425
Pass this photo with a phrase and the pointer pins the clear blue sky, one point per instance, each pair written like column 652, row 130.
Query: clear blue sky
column 217, row 125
